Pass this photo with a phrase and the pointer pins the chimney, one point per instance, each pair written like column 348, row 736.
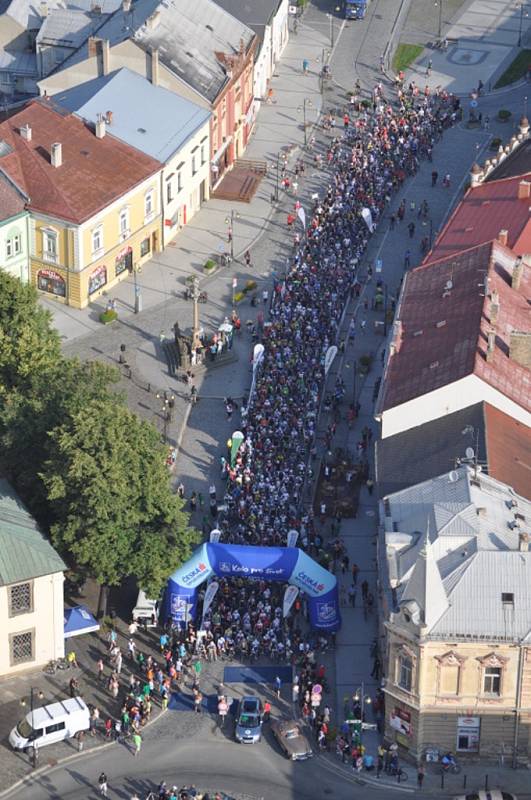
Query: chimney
column 523, row 190
column 520, row 348
column 92, row 46
column 494, row 306
column 126, row 6
column 57, row 154
column 105, row 56
column 43, row 9
column 518, row 271
column 108, row 117
column 25, row 132
column 155, row 67
column 100, row 126
column 523, row 542
column 491, row 341
column 503, row 236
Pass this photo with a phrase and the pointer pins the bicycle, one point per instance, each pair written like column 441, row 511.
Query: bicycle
column 399, row 773
column 53, row 665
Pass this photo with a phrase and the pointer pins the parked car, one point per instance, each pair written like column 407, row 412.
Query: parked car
column 249, row 721
column 50, row 724
column 494, row 794
column 293, row 742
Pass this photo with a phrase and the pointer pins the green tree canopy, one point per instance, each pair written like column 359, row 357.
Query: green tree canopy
column 111, row 499
column 28, row 342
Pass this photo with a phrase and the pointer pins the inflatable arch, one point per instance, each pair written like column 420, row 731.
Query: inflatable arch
column 288, row 564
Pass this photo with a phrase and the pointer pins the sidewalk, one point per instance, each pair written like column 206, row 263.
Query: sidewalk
column 482, row 41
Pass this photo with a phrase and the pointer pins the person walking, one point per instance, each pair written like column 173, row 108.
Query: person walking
column 420, row 775
column 352, row 595
column 137, row 743
column 305, row 66
column 364, row 589
column 407, row 259
column 355, row 570
column 434, row 177
column 278, row 686
column 102, row 783
column 411, row 229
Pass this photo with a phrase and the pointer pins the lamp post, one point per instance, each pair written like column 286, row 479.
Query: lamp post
column 230, row 231
column 439, row 3
column 168, row 404
column 196, row 341
column 305, row 102
column 331, row 18
column 137, row 268
column 522, row 7
column 40, row 695
column 361, row 697
column 430, row 223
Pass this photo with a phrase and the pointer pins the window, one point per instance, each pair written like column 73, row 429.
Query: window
column 21, row 647
column 145, row 247
column 13, row 245
column 492, row 680
column 20, row 599
column 97, row 240
column 194, row 168
column 59, row 726
column 49, row 245
column 169, row 191
column 405, row 672
column 124, row 223
column 203, row 156
column 149, row 205
column 179, row 182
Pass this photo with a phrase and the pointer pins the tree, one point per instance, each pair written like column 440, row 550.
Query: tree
column 29, row 414
column 109, row 492
column 28, row 342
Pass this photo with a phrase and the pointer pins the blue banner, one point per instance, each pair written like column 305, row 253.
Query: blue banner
column 286, row 564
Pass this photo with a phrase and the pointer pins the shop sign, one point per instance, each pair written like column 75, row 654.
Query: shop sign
column 97, row 279
column 400, row 721
column 468, row 722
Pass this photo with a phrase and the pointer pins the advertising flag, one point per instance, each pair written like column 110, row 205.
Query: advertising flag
column 367, row 217
column 215, row 535
column 210, row 593
column 331, row 353
column 302, row 216
column 293, row 535
column 290, row 595
column 237, row 439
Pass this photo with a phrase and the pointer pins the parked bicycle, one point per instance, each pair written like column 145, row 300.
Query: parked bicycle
column 52, row 666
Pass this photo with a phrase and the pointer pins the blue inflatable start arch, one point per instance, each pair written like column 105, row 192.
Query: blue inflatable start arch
column 287, row 564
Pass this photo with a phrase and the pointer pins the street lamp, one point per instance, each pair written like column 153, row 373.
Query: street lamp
column 362, row 698
column 40, row 695
column 137, row 268
column 168, row 404
column 331, row 18
column 439, row 3
column 522, row 7
column 230, row 232
column 305, row 102
column 430, row 223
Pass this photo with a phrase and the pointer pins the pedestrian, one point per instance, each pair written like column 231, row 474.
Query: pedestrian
column 486, row 122
column 352, row 591
column 247, row 258
column 80, row 736
column 267, row 711
column 370, row 485
column 198, row 699
column 137, row 743
column 428, row 68
column 411, row 229
column 407, row 259
column 102, row 782
column 305, row 66
column 434, row 177
column 101, row 676
column 131, row 649
column 355, row 571
column 420, row 775
column 278, row 685
column 364, row 589
column 446, row 180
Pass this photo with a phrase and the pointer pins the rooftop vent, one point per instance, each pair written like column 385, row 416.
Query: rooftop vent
column 434, row 364
column 507, row 597
column 25, row 132
column 503, row 236
column 57, row 154
column 524, row 190
column 441, row 323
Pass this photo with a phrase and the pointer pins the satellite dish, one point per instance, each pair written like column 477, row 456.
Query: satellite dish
column 469, row 452
column 453, row 476
column 449, row 285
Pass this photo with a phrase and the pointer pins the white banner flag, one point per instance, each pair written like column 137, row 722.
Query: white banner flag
column 293, row 535
column 367, row 216
column 302, row 216
column 331, row 353
column 210, row 593
column 215, row 535
column 258, row 354
column 290, row 595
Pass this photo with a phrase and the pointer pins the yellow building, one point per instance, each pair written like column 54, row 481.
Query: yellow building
column 455, row 580
column 95, row 205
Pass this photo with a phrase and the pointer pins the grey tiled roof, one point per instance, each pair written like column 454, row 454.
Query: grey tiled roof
column 24, row 552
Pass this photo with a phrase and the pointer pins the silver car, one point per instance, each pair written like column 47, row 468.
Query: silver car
column 249, row 721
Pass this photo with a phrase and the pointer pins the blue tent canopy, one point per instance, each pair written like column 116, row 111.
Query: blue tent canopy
column 79, row 620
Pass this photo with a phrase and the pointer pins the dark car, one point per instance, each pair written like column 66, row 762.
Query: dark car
column 291, row 739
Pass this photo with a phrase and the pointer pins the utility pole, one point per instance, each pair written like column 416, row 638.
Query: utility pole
column 196, row 341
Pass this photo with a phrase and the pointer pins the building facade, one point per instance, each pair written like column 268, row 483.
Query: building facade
column 94, row 202
column 31, row 590
column 14, row 251
column 455, row 571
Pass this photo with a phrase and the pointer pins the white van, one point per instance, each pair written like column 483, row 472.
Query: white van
column 146, row 611
column 50, row 724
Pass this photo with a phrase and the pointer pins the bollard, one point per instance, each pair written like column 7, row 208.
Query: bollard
column 464, row 781
column 486, row 783
column 442, row 780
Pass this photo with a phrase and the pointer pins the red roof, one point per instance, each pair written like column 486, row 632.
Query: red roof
column 94, row 172
column 443, row 324
column 508, row 445
column 480, row 216
column 11, row 200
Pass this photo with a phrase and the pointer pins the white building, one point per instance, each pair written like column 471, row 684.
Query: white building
column 31, row 590
column 160, row 124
